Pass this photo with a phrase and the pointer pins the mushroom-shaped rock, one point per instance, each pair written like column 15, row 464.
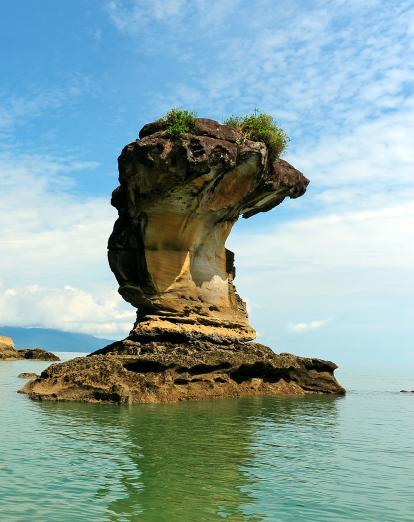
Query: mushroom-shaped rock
column 178, row 198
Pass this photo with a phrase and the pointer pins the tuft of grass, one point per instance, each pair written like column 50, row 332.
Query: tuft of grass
column 179, row 121
column 260, row 126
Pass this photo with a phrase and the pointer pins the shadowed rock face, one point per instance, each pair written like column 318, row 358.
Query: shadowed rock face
column 177, row 202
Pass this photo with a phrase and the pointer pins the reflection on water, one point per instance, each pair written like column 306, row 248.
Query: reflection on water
column 192, row 461
column 256, row 459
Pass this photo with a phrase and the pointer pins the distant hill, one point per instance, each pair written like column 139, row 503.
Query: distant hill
column 53, row 340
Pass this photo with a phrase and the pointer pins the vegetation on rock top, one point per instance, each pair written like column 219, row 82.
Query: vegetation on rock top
column 179, row 121
column 260, row 126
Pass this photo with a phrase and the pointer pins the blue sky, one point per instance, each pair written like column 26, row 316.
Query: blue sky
column 330, row 274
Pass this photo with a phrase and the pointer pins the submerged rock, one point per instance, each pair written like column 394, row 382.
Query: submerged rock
column 177, row 202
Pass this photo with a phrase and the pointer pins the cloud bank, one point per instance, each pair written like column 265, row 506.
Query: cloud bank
column 53, row 268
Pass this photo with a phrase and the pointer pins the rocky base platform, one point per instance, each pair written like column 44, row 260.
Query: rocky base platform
column 8, row 352
column 155, row 371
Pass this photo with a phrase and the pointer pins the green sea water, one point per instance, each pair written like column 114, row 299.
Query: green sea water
column 270, row 459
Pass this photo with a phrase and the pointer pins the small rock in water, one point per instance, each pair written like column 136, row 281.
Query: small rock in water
column 406, row 391
column 8, row 352
column 26, row 375
column 38, row 354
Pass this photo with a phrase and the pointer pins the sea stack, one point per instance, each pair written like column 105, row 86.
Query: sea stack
column 177, row 201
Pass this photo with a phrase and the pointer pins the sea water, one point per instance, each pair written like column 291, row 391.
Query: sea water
column 311, row 458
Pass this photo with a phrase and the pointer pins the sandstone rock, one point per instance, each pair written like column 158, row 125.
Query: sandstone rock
column 177, row 202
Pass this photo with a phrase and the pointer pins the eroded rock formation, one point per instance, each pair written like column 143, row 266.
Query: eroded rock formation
column 177, row 202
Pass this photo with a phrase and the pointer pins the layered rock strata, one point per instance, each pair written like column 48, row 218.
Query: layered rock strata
column 177, row 202
column 8, row 352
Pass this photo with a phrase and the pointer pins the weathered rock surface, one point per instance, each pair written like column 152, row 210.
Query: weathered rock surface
column 8, row 352
column 150, row 371
column 177, row 202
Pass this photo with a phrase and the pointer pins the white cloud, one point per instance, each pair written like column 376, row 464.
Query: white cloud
column 305, row 327
column 375, row 238
column 374, row 156
column 45, row 227
column 180, row 16
column 67, row 308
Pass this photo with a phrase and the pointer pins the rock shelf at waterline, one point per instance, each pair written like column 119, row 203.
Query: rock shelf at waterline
column 178, row 198
column 8, row 352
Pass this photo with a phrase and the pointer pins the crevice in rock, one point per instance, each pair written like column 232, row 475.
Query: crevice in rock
column 204, row 368
column 146, row 366
column 261, row 370
column 181, row 381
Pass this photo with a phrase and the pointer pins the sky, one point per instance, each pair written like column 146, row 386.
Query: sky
column 330, row 274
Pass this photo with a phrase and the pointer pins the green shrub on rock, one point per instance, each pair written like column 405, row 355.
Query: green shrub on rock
column 179, row 121
column 260, row 126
